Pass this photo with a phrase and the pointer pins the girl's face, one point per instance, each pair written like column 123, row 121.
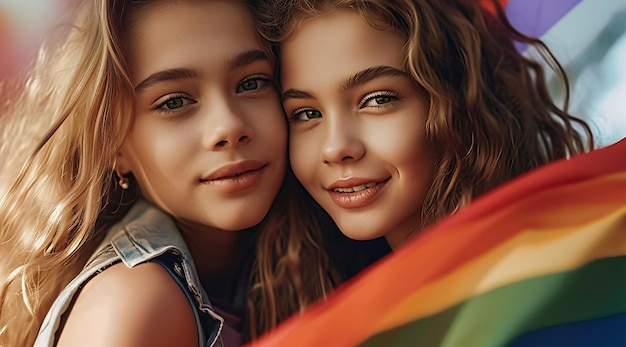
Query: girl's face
column 209, row 138
column 356, row 123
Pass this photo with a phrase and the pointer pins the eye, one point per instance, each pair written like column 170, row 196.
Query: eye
column 304, row 115
column 379, row 99
column 173, row 103
column 253, row 84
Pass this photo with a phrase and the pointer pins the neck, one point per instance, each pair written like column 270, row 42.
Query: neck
column 395, row 240
column 217, row 256
column 402, row 232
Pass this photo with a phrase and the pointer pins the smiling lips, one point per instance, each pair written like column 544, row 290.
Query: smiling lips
column 355, row 188
column 235, row 177
column 353, row 194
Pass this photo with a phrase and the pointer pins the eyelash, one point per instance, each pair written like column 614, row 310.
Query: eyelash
column 178, row 96
column 384, row 94
column 294, row 116
column 265, row 82
column 392, row 96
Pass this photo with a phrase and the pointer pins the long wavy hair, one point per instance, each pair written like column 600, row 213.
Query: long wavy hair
column 59, row 141
column 490, row 117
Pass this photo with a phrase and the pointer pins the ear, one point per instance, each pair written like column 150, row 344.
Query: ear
column 122, row 163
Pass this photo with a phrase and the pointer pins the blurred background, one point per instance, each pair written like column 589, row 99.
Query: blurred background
column 587, row 36
column 589, row 39
column 23, row 24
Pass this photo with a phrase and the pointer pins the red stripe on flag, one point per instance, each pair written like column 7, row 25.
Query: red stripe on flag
column 488, row 4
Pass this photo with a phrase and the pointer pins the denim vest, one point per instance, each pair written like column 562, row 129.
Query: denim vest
column 144, row 234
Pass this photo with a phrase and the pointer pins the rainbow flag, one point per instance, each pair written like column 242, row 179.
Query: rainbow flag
column 540, row 261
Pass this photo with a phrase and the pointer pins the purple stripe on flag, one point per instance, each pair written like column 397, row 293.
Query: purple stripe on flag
column 536, row 17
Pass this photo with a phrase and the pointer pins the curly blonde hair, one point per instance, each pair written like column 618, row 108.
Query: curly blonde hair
column 59, row 142
column 490, row 115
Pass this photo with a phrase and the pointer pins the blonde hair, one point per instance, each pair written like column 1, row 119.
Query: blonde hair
column 59, row 141
column 61, row 134
column 490, row 116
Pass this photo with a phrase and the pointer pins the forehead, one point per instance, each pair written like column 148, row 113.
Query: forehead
column 337, row 43
column 169, row 34
column 155, row 14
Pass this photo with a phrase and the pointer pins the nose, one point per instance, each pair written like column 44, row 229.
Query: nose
column 227, row 128
column 343, row 143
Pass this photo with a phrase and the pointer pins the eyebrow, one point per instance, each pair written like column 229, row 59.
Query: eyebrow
column 247, row 58
column 242, row 59
column 354, row 80
column 371, row 73
column 296, row 94
column 164, row 76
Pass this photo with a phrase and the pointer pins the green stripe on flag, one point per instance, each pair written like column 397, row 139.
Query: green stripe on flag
column 497, row 317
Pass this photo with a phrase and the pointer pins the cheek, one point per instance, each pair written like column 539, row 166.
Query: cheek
column 413, row 157
column 267, row 115
column 160, row 146
column 271, row 133
column 404, row 136
column 412, row 153
column 303, row 154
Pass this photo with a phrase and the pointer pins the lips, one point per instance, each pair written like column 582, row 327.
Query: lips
column 233, row 170
column 356, row 192
column 352, row 185
column 355, row 188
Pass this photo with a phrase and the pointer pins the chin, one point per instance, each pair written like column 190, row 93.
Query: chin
column 359, row 235
column 238, row 224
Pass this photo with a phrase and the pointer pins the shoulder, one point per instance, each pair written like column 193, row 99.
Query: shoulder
column 139, row 306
